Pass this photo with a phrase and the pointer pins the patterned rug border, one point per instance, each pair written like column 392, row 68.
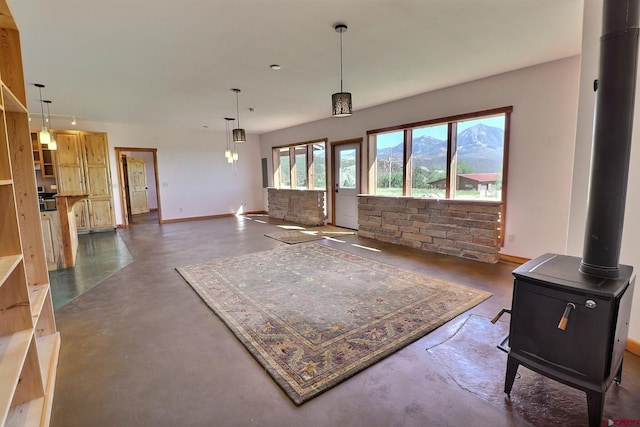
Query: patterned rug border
column 297, row 394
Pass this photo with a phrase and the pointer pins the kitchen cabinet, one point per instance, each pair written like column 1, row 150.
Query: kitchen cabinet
column 83, row 168
column 43, row 158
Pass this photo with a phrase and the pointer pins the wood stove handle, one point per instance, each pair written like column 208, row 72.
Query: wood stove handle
column 565, row 316
column 499, row 315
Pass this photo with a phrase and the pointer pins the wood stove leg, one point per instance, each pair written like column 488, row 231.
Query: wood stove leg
column 618, row 377
column 512, row 370
column 595, row 405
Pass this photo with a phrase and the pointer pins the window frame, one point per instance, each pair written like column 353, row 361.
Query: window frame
column 293, row 166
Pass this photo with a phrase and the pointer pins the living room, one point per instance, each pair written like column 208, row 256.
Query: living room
column 549, row 136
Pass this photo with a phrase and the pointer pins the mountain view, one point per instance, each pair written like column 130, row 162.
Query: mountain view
column 480, row 147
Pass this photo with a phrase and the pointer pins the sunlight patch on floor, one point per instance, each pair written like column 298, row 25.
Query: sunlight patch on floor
column 291, row 227
column 366, row 247
column 334, row 239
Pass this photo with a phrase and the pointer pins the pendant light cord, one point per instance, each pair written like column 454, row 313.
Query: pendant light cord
column 341, row 61
column 41, row 106
column 237, row 109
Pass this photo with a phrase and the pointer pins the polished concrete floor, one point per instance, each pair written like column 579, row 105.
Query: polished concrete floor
column 140, row 348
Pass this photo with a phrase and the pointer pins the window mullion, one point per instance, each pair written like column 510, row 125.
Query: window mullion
column 406, row 171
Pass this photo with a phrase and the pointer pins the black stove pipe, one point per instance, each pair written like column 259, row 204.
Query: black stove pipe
column 613, row 126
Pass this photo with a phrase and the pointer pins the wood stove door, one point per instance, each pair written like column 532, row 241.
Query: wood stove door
column 581, row 352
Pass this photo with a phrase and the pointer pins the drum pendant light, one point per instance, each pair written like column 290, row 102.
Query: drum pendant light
column 341, row 101
column 238, row 133
column 43, row 135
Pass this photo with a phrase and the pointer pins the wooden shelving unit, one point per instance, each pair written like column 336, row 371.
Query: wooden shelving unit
column 29, row 342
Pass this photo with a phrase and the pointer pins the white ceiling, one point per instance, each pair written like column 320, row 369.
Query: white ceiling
column 174, row 62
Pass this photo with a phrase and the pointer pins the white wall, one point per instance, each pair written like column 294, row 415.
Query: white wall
column 630, row 251
column 195, row 179
column 542, row 138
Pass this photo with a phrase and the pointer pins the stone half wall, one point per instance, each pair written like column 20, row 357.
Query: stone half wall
column 301, row 206
column 467, row 229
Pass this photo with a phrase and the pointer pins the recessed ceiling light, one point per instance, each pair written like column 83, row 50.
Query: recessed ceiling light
column 274, row 66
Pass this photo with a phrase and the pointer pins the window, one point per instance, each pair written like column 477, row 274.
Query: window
column 429, row 161
column 460, row 157
column 389, row 163
column 283, row 171
column 478, row 159
column 318, row 167
column 300, row 166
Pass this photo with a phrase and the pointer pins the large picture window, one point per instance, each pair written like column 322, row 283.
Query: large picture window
column 460, row 157
column 301, row 165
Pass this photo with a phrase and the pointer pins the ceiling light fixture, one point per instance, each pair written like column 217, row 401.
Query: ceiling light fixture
column 341, row 101
column 73, row 121
column 238, row 133
column 227, row 152
column 275, row 66
column 53, row 145
column 43, row 135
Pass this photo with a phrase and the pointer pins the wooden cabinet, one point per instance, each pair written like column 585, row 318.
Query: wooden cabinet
column 29, row 342
column 83, row 168
column 43, row 158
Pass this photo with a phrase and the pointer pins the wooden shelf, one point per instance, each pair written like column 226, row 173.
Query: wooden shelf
column 11, row 103
column 29, row 341
column 37, row 412
column 7, row 265
column 37, row 296
column 13, row 352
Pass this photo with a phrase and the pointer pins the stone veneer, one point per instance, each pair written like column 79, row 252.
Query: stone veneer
column 467, row 229
column 301, row 206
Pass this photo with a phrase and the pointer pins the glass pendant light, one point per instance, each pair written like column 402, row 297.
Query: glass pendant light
column 227, row 152
column 43, row 135
column 53, row 145
column 341, row 101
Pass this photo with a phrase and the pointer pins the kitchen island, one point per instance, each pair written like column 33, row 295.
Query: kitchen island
column 60, row 233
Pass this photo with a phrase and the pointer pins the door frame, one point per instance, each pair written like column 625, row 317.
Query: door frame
column 121, row 185
column 330, row 188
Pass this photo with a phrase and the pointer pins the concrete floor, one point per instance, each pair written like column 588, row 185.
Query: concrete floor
column 142, row 349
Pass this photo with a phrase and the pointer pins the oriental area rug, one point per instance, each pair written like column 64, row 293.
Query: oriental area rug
column 313, row 316
column 301, row 234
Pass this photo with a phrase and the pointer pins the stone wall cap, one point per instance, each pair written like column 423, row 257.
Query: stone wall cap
column 431, row 199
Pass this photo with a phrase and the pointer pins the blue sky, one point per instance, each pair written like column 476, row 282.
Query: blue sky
column 392, row 139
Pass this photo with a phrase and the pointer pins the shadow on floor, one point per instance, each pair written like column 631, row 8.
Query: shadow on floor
column 99, row 256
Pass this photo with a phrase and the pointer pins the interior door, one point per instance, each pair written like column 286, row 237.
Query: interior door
column 346, row 179
column 138, row 190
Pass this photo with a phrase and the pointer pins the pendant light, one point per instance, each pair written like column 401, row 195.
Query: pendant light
column 341, row 101
column 227, row 151
column 43, row 136
column 53, row 145
column 238, row 133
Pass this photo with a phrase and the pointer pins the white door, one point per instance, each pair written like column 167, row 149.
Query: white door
column 346, row 179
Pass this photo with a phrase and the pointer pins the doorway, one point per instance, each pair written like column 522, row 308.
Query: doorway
column 346, row 182
column 138, row 185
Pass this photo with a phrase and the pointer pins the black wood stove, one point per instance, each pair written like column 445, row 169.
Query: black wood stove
column 570, row 316
column 569, row 326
